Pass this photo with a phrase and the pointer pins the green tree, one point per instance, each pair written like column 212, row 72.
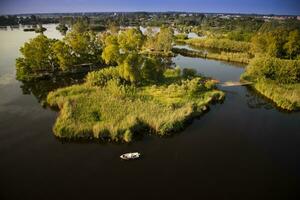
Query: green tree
column 111, row 54
column 84, row 46
column 292, row 46
column 37, row 55
column 164, row 40
column 270, row 43
column 259, row 44
column 62, row 28
column 130, row 68
column 131, row 40
column 80, row 26
column 63, row 53
column 151, row 69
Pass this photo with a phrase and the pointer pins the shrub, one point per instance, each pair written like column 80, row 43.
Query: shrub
column 100, row 77
column 279, row 70
column 173, row 72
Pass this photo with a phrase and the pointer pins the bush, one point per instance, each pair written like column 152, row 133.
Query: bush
column 173, row 72
column 100, row 77
column 279, row 70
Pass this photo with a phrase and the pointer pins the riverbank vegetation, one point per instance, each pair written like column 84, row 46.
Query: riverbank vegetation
column 276, row 68
column 225, row 56
column 273, row 52
column 221, row 44
column 277, row 79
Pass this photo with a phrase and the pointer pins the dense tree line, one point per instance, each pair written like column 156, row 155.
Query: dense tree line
column 279, row 43
column 123, row 49
column 281, row 71
column 44, row 55
column 80, row 46
column 11, row 20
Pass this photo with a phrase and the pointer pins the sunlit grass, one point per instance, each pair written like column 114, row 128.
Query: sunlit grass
column 286, row 96
column 117, row 111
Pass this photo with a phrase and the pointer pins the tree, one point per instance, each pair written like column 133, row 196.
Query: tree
column 270, row 43
column 164, row 40
column 292, row 46
column 151, row 69
column 259, row 44
column 150, row 39
column 84, row 46
column 275, row 43
column 63, row 53
column 38, row 55
column 111, row 54
column 130, row 40
column 62, row 28
column 130, row 68
column 80, row 26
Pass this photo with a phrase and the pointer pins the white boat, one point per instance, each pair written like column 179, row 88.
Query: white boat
column 130, row 156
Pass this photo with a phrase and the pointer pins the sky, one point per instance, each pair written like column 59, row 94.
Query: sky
column 281, row 7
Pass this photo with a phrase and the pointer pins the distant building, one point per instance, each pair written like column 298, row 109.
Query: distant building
column 298, row 17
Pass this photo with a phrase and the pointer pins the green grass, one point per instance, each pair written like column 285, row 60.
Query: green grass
column 285, row 96
column 117, row 112
column 222, row 44
column 226, row 56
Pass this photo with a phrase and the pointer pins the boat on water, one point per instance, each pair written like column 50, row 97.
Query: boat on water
column 130, row 156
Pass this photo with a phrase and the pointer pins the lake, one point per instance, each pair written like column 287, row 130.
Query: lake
column 244, row 148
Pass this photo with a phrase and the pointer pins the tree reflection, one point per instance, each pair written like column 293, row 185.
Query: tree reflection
column 257, row 101
column 41, row 87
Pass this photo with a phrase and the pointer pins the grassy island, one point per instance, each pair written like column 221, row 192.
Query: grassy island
column 117, row 111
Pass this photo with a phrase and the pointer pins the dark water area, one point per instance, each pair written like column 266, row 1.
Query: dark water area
column 244, row 148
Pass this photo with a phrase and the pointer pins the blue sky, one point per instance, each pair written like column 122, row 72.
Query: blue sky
column 291, row 7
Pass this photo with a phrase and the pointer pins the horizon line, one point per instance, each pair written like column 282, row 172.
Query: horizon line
column 142, row 11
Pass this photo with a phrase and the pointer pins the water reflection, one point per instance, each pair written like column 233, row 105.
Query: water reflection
column 196, row 48
column 40, row 88
column 255, row 100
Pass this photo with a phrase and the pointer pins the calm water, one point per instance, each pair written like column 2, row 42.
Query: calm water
column 241, row 149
